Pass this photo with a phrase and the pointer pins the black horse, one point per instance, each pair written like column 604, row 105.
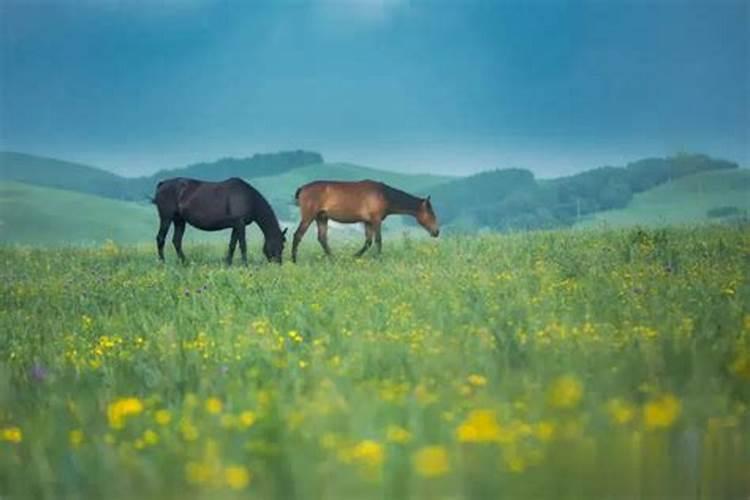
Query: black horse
column 213, row 206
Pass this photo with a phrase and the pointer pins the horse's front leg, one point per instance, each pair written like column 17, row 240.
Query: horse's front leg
column 298, row 234
column 232, row 246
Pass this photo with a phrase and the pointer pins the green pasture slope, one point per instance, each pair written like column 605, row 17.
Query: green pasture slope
column 561, row 365
column 38, row 215
column 683, row 201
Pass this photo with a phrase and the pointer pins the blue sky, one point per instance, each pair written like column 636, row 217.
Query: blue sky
column 422, row 86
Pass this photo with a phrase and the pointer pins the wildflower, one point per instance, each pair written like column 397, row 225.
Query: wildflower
column 75, row 438
column 477, row 380
column 188, row 430
column 197, row 473
column 431, row 461
column 480, row 426
column 741, row 366
column 214, row 406
column 121, row 409
column 247, row 419
column 369, row 452
column 237, row 477
column 11, row 434
column 150, row 437
column 228, row 421
column 513, row 460
column 544, row 431
column 620, row 412
column 566, row 392
column 163, row 417
column 396, row 434
column 662, row 412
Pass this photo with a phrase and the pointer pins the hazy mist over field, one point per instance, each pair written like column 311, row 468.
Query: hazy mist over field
column 442, row 87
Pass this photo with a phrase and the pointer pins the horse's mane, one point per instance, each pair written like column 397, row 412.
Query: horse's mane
column 400, row 199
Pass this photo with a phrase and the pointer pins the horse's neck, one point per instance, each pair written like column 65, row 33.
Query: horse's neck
column 268, row 223
column 400, row 202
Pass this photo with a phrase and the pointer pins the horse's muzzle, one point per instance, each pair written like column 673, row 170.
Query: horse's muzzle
column 435, row 233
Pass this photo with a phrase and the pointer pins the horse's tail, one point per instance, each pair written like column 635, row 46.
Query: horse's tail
column 296, row 196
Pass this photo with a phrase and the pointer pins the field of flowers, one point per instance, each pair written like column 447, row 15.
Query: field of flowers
column 580, row 364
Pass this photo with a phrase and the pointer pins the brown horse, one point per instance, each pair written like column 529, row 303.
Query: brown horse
column 364, row 201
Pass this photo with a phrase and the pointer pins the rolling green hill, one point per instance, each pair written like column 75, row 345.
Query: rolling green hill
column 39, row 215
column 49, row 172
column 685, row 200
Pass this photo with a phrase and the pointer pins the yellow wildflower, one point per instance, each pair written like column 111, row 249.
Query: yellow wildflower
column 163, row 417
column 237, row 477
column 150, row 437
column 369, row 452
column 431, row 461
column 477, row 380
column 662, row 412
column 197, row 473
column 544, row 431
column 12, row 434
column 121, row 409
column 247, row 419
column 396, row 434
column 566, row 392
column 741, row 366
column 75, row 438
column 620, row 412
column 480, row 426
column 214, row 406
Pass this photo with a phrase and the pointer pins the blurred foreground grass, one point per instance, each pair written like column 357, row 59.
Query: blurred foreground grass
column 585, row 364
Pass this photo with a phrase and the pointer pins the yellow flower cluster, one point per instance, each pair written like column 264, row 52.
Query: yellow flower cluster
column 120, row 410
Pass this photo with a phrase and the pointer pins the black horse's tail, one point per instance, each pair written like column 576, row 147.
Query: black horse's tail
column 296, row 196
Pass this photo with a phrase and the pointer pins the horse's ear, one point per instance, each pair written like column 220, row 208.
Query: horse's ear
column 428, row 198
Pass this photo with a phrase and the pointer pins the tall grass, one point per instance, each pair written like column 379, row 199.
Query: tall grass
column 583, row 364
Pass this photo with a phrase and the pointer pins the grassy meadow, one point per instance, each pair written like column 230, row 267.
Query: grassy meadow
column 570, row 364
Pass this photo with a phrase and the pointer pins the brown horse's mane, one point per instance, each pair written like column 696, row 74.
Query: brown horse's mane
column 401, row 200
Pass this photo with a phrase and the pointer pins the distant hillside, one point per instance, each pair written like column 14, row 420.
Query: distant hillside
column 258, row 165
column 49, row 172
column 704, row 197
column 39, row 215
column 54, row 173
column 513, row 199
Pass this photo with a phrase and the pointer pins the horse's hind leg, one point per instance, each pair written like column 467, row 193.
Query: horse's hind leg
column 243, row 243
column 179, row 231
column 298, row 234
column 378, row 238
column 369, row 230
column 322, row 222
column 161, row 236
column 232, row 246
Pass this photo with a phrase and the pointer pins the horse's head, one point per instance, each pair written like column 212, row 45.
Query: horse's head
column 427, row 218
column 273, row 248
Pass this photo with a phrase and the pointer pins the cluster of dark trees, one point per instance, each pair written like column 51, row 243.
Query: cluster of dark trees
column 513, row 199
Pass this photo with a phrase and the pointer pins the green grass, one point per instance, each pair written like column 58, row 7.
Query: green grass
column 566, row 365
column 684, row 201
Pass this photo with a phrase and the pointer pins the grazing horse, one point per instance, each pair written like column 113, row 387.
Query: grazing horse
column 213, row 206
column 364, row 201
